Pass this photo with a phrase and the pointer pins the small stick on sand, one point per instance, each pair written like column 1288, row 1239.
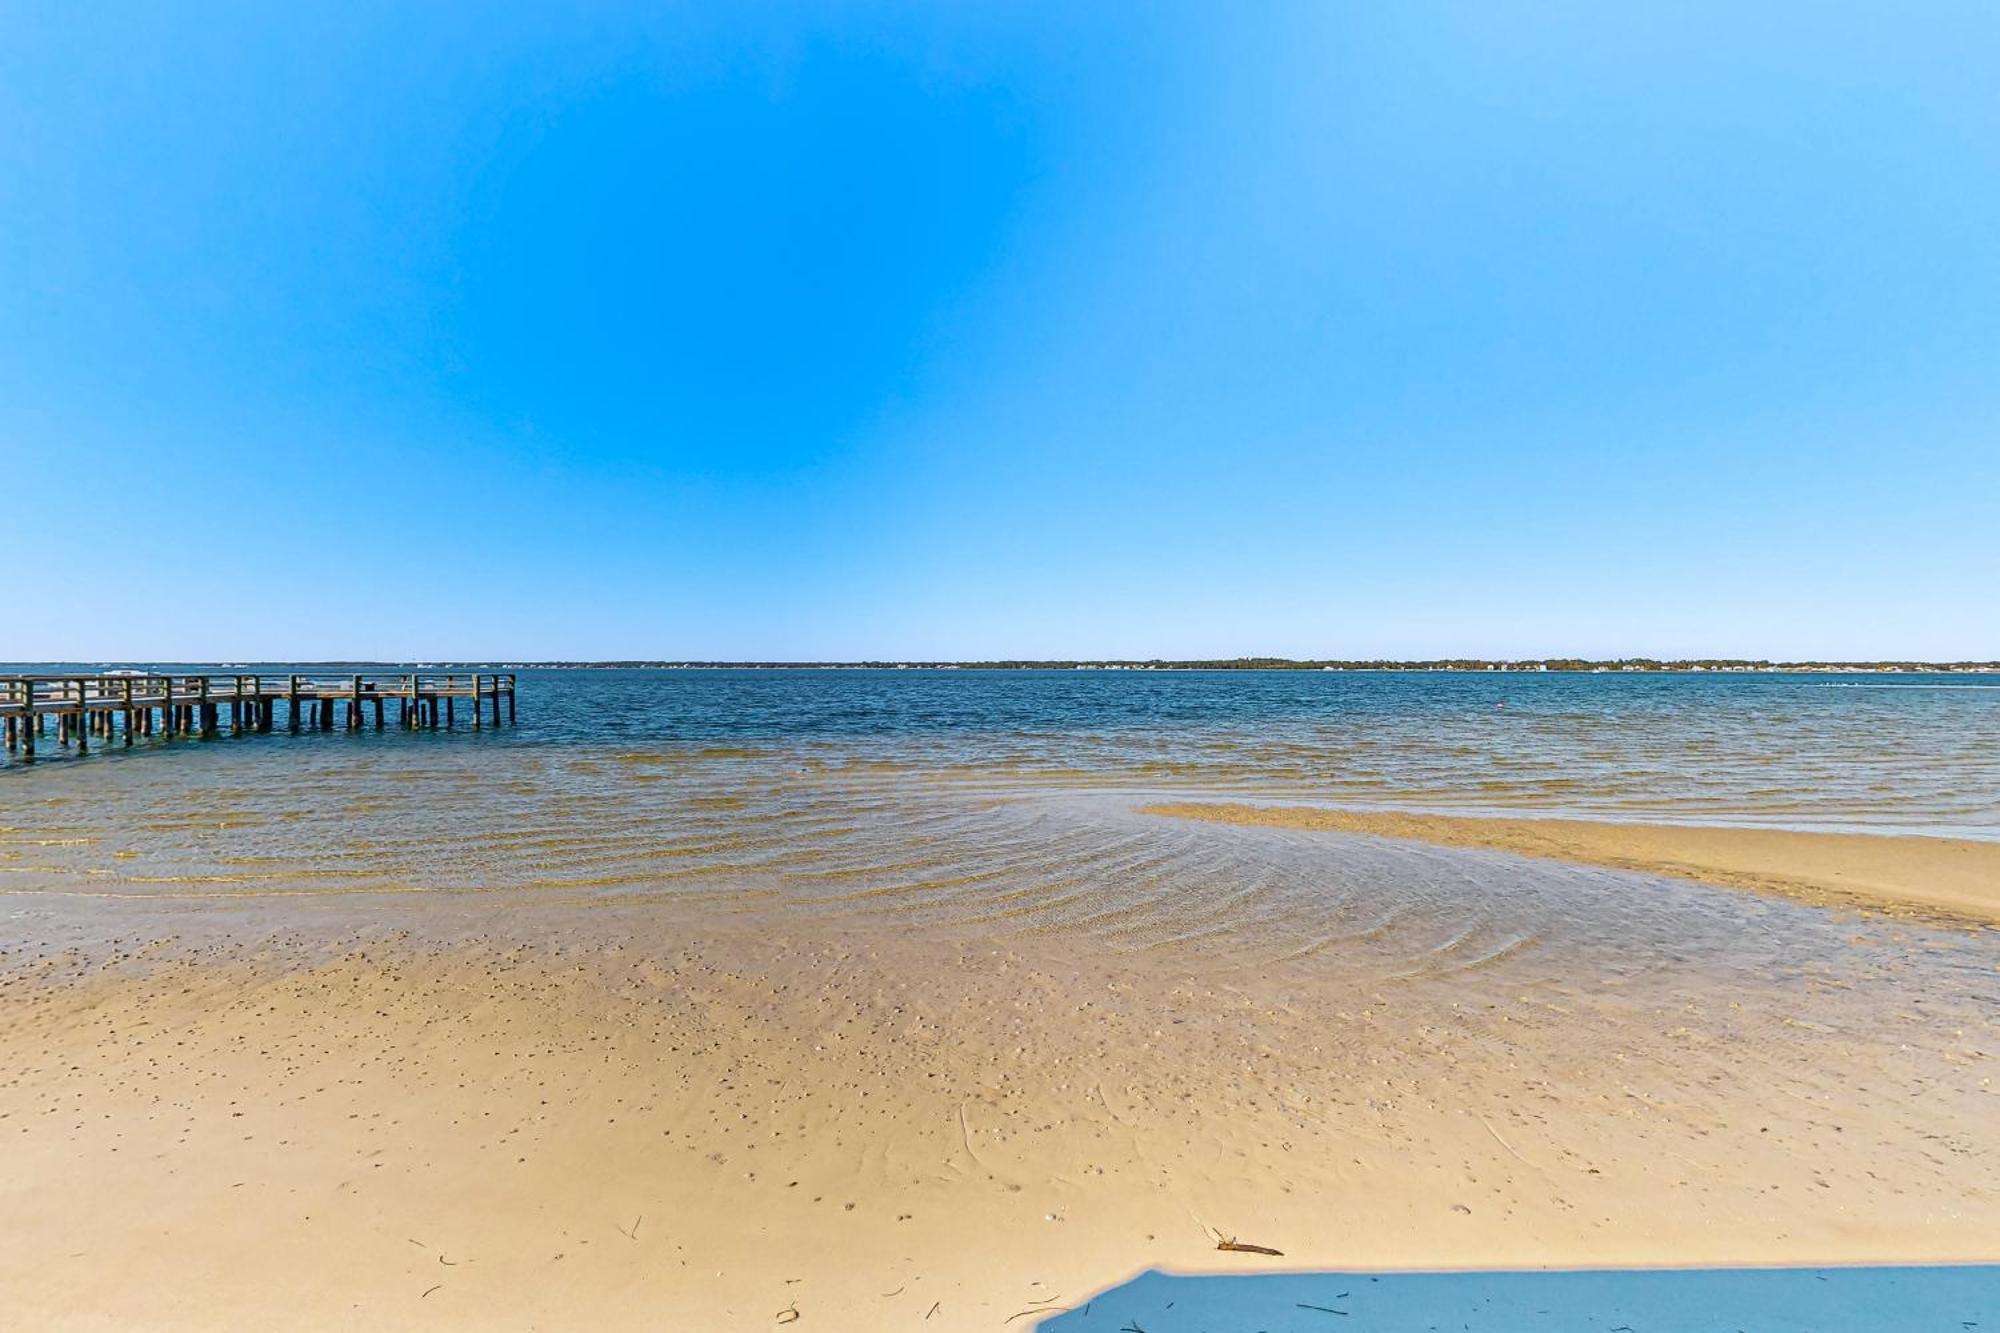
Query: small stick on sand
column 429, row 1290
column 788, row 1315
column 1502, row 1142
column 1241, row 1247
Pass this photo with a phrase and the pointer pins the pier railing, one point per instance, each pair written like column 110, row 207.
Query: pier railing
column 117, row 707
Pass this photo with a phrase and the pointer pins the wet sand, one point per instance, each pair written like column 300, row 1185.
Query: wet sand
column 625, row 1118
column 1950, row 877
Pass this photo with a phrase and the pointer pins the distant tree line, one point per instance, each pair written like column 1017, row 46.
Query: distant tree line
column 1630, row 664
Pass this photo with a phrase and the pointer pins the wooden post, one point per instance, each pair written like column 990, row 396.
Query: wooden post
column 88, row 709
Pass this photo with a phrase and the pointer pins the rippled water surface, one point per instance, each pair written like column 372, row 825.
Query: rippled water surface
column 1011, row 802
column 1904, row 751
column 1001, row 795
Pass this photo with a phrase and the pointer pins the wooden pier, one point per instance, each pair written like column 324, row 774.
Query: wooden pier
column 116, row 708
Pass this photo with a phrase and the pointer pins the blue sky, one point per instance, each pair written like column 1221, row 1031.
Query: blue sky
column 1028, row 330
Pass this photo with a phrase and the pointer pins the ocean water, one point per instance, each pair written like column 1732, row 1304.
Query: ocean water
column 1897, row 752
column 1012, row 804
column 998, row 795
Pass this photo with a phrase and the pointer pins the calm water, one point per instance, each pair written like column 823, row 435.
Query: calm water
column 1912, row 753
column 1010, row 802
column 957, row 786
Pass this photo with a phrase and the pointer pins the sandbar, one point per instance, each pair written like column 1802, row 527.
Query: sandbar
column 1957, row 878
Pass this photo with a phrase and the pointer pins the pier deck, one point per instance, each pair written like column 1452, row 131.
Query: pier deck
column 117, row 707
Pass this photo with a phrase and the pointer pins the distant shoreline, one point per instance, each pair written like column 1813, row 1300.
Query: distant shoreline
column 1457, row 666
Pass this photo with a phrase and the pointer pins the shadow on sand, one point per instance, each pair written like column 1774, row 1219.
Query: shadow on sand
column 1955, row 1299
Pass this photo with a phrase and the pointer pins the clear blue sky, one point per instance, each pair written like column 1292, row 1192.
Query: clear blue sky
column 1014, row 329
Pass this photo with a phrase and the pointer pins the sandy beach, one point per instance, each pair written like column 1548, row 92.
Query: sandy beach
column 1953, row 878
column 505, row 1117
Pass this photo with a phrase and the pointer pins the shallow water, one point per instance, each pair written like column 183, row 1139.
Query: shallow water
column 629, row 779
column 996, row 796
column 1008, row 802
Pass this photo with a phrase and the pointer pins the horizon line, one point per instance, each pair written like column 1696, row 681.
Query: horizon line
column 1467, row 663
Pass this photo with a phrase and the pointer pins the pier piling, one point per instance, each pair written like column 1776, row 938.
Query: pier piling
column 117, row 707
